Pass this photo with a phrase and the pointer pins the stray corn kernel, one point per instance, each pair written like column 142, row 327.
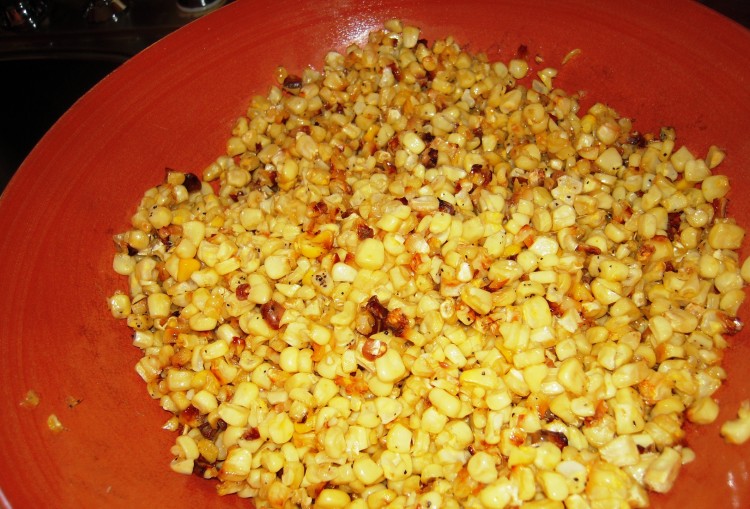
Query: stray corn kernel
column 737, row 431
column 31, row 399
column 54, row 424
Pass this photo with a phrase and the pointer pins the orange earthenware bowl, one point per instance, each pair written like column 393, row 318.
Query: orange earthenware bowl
column 659, row 62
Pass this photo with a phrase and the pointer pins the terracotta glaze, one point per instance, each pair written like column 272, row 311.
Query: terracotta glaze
column 173, row 106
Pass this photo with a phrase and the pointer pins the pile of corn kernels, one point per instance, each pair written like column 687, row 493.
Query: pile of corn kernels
column 422, row 279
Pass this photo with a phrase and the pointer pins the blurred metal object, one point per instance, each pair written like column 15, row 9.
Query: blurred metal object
column 198, row 6
column 21, row 15
column 101, row 11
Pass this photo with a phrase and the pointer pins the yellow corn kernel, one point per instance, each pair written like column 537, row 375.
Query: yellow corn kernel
column 737, row 431
column 482, row 468
column 236, row 466
column 390, row 367
column 54, row 424
column 399, row 439
column 204, row 401
column 445, row 402
column 119, row 305
column 726, row 236
column 159, row 305
column 630, row 374
column 396, row 466
column 478, row 299
column 123, row 264
column 366, row 470
column 554, row 485
column 200, row 322
column 234, row 415
column 536, row 312
column 412, row 142
column 497, row 495
column 662, row 472
column 245, row 394
column 281, row 428
column 182, row 466
column 606, row 292
column 715, row 186
column 188, row 447
column 433, row 421
column 370, row 254
column 486, row 378
column 571, row 375
column 186, row 268
column 703, row 410
column 277, row 266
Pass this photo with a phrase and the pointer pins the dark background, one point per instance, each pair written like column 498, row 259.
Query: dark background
column 44, row 71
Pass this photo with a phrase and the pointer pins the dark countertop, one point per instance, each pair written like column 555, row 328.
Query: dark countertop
column 68, row 55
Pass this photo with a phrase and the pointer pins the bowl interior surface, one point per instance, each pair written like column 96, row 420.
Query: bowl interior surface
column 173, row 106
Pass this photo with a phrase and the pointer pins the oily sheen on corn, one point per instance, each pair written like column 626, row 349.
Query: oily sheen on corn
column 422, row 279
